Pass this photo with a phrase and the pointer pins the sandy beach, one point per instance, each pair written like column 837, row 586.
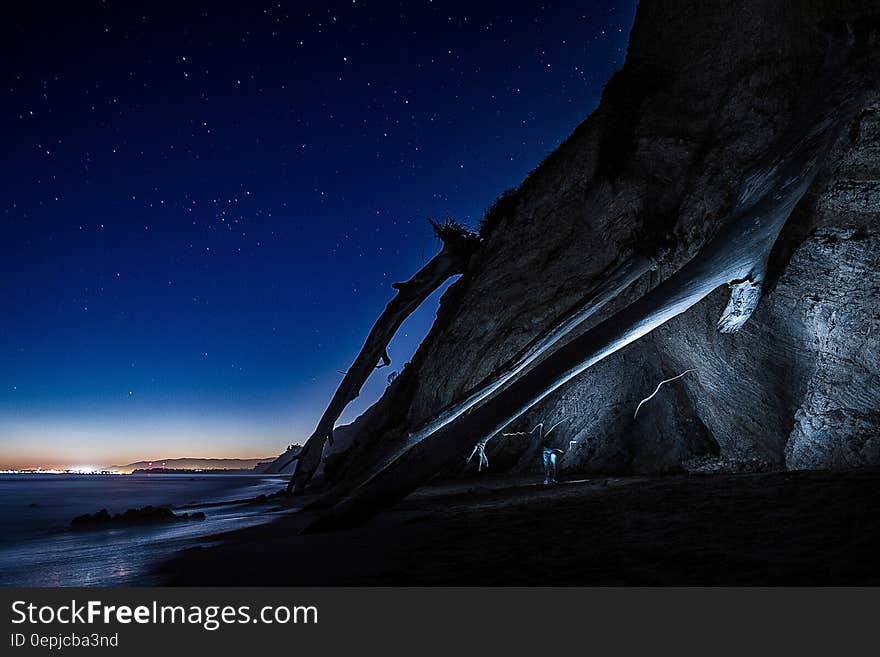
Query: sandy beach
column 781, row 528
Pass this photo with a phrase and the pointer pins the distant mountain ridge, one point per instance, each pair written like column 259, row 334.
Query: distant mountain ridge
column 191, row 463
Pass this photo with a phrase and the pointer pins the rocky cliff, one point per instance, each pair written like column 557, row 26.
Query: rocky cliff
column 708, row 90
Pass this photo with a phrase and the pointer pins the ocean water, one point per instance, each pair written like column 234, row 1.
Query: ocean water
column 37, row 547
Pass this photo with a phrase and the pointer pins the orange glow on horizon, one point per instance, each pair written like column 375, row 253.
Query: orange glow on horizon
column 65, row 444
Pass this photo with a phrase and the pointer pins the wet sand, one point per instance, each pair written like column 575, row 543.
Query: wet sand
column 750, row 529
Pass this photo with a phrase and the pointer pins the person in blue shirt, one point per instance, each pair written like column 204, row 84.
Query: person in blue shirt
column 551, row 457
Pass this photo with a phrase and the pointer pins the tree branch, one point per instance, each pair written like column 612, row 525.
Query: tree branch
column 458, row 247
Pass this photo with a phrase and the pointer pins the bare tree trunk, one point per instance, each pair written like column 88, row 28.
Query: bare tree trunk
column 612, row 282
column 737, row 254
column 458, row 247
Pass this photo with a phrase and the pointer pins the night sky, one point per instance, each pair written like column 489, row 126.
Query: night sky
column 203, row 207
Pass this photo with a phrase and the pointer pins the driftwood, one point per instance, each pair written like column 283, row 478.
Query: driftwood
column 737, row 256
column 458, row 247
column 616, row 278
column 614, row 281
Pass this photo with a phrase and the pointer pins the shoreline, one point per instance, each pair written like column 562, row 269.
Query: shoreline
column 42, row 547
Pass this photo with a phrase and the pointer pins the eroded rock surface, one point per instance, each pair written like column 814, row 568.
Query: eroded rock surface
column 707, row 90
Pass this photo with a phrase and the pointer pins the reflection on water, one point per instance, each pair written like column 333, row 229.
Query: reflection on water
column 38, row 553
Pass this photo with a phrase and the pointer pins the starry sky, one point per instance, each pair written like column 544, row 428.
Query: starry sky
column 204, row 205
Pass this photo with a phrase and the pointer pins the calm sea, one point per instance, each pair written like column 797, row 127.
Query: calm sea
column 37, row 548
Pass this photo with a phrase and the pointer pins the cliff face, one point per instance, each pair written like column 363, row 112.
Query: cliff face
column 707, row 90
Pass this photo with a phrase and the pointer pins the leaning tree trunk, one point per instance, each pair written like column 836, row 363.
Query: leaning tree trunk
column 736, row 256
column 458, row 247
column 612, row 282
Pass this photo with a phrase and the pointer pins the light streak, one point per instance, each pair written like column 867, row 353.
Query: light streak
column 657, row 389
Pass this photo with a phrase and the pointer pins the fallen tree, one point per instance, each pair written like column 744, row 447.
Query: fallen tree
column 613, row 282
column 459, row 245
column 737, row 256
column 616, row 278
